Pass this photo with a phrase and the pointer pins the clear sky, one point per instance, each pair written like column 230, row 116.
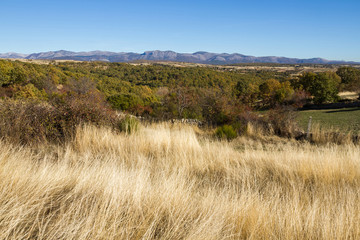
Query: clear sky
column 303, row 28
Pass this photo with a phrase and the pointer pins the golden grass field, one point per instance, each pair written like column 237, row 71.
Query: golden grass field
column 169, row 182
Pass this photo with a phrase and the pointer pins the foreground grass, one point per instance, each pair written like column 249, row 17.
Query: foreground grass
column 346, row 119
column 167, row 183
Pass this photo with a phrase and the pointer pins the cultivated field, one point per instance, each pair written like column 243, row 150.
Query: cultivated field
column 169, row 182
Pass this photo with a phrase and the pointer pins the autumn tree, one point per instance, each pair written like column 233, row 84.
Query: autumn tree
column 272, row 92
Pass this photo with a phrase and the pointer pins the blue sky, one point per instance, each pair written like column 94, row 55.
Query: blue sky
column 303, row 29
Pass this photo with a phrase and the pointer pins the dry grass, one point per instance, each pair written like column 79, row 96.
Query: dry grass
column 324, row 135
column 349, row 95
column 167, row 183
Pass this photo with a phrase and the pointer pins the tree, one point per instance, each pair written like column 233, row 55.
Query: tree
column 284, row 93
column 246, row 92
column 268, row 89
column 350, row 78
column 272, row 92
column 181, row 102
column 217, row 107
column 324, row 87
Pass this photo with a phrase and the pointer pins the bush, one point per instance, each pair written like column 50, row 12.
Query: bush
column 6, row 92
column 76, row 110
column 125, row 101
column 226, row 132
column 32, row 122
column 29, row 91
column 29, row 122
column 129, row 125
column 282, row 122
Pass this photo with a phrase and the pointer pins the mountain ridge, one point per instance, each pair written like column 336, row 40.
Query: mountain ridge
column 157, row 55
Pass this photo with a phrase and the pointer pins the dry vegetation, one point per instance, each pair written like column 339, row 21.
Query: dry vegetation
column 168, row 182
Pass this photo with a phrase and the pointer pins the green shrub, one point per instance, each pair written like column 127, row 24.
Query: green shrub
column 129, row 124
column 124, row 101
column 226, row 132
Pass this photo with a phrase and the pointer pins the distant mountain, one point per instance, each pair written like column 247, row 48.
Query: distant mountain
column 197, row 57
column 13, row 55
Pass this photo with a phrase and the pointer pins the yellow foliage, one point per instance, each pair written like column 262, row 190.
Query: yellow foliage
column 29, row 91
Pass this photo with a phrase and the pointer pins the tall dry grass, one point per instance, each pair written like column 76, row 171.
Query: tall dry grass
column 165, row 182
column 324, row 135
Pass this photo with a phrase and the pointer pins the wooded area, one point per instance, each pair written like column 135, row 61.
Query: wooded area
column 168, row 92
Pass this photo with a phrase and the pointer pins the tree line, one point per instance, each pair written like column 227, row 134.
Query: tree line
column 165, row 92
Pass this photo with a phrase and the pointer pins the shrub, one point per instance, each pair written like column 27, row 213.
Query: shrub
column 29, row 122
column 226, row 132
column 299, row 99
column 129, row 124
column 76, row 110
column 29, row 91
column 6, row 92
column 124, row 101
column 32, row 122
column 282, row 122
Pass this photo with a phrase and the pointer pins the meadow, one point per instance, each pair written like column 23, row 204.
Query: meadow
column 344, row 119
column 175, row 182
column 77, row 163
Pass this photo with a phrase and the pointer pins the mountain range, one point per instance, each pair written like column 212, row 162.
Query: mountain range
column 197, row 57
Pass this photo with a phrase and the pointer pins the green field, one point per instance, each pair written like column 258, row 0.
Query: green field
column 345, row 118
